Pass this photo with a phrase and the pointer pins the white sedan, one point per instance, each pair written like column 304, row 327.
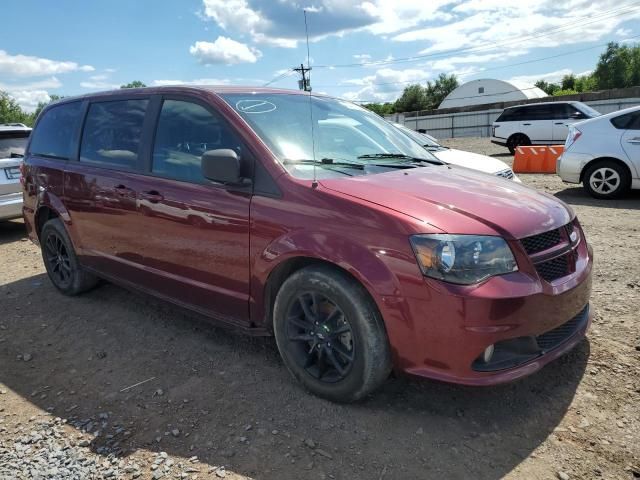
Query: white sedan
column 461, row 158
column 604, row 154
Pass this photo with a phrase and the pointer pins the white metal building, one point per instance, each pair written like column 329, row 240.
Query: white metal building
column 489, row 90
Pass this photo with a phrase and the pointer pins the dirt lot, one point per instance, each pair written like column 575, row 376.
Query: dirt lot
column 227, row 399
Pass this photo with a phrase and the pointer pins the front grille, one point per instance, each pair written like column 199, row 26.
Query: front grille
column 508, row 174
column 556, row 268
column 543, row 241
column 559, row 335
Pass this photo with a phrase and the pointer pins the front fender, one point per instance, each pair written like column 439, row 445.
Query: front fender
column 364, row 262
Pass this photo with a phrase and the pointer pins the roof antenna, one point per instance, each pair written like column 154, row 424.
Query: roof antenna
column 306, row 84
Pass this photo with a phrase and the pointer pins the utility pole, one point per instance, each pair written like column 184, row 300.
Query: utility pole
column 305, row 83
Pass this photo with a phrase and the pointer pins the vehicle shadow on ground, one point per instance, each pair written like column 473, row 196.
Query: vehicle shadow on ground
column 231, row 402
column 501, row 155
column 12, row 231
column 578, row 196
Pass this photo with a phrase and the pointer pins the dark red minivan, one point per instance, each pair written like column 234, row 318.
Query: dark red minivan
column 312, row 219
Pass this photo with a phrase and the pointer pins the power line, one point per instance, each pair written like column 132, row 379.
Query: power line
column 604, row 15
column 286, row 73
column 484, row 70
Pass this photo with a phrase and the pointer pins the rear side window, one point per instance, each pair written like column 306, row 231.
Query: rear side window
column 112, row 132
column 538, row 112
column 628, row 121
column 185, row 131
column 509, row 115
column 55, row 131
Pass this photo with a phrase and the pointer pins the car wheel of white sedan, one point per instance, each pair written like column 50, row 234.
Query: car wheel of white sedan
column 606, row 180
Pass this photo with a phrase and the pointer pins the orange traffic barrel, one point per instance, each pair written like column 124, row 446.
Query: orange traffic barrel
column 537, row 158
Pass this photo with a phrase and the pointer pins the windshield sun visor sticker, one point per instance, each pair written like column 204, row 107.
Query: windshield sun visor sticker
column 255, row 106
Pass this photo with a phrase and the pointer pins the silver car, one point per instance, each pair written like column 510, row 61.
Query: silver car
column 13, row 141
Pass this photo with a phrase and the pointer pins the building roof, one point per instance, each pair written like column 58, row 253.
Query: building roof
column 490, row 90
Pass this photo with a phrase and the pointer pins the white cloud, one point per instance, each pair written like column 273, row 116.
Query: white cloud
column 99, row 85
column 224, row 50
column 29, row 66
column 495, row 25
column 385, row 84
column 30, row 93
column 199, row 81
column 281, row 23
column 552, row 77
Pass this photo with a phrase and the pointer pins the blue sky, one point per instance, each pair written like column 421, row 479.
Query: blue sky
column 76, row 47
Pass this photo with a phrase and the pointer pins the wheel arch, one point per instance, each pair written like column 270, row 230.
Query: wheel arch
column 593, row 162
column 352, row 259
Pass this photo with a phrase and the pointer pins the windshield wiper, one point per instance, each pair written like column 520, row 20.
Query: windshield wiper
column 324, row 162
column 401, row 156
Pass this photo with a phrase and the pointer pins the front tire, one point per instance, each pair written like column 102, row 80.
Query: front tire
column 330, row 334
column 606, row 180
column 61, row 262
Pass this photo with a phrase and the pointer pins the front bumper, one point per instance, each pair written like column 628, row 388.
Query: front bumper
column 499, row 141
column 10, row 206
column 443, row 333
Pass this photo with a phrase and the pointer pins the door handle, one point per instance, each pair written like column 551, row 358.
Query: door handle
column 559, row 123
column 526, row 124
column 122, row 190
column 634, row 140
column 151, row 196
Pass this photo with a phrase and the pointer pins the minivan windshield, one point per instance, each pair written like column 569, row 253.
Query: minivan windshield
column 338, row 136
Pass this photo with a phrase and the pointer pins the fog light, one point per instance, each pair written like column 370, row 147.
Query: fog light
column 488, row 353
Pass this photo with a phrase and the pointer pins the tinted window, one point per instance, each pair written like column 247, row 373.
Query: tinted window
column 13, row 143
column 537, row 112
column 112, row 132
column 185, row 131
column 54, row 134
column 628, row 121
column 509, row 115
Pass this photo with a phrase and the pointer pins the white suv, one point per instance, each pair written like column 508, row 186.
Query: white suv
column 538, row 123
column 604, row 154
column 13, row 140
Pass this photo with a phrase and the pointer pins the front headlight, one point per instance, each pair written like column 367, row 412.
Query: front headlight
column 462, row 259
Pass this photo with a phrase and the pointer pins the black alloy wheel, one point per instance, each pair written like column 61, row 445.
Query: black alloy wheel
column 330, row 334
column 57, row 259
column 321, row 336
column 61, row 262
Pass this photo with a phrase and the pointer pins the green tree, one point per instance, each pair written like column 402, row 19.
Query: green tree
column 134, row 84
column 547, row 87
column 437, row 90
column 568, row 82
column 413, row 98
column 611, row 70
column 381, row 109
column 11, row 112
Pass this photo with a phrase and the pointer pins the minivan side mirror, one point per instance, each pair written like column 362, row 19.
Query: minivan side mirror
column 577, row 115
column 222, row 165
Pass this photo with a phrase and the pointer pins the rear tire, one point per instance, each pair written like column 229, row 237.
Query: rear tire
column 61, row 262
column 517, row 140
column 330, row 334
column 606, row 180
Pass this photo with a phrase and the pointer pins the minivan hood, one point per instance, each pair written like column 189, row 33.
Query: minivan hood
column 459, row 200
column 476, row 161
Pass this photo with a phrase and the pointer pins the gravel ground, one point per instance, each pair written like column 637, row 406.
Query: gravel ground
column 113, row 384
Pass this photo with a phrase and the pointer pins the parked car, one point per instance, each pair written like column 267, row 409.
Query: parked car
column 544, row 123
column 13, row 140
column 355, row 248
column 604, row 154
column 482, row 163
